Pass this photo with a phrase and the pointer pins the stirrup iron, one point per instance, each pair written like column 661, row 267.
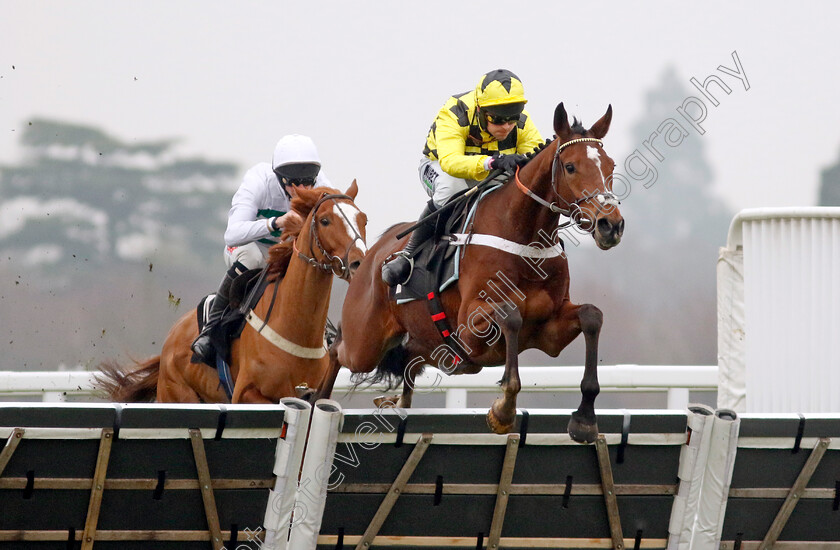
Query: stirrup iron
column 393, row 256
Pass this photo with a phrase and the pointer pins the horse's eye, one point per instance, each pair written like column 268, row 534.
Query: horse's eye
column 570, row 168
column 325, row 221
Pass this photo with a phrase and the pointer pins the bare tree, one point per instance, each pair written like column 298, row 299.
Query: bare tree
column 100, row 242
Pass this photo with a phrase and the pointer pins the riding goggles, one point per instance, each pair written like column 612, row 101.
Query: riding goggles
column 302, row 173
column 500, row 119
column 309, row 182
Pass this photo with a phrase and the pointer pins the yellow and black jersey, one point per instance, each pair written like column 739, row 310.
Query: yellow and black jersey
column 458, row 142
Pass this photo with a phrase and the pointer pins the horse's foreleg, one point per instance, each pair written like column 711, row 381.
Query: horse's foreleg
column 252, row 396
column 247, row 392
column 325, row 389
column 502, row 414
column 583, row 426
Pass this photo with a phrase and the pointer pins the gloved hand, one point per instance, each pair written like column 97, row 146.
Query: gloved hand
column 508, row 163
column 289, row 218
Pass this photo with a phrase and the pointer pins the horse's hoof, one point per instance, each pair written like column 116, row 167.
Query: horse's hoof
column 306, row 393
column 582, row 430
column 385, row 402
column 496, row 425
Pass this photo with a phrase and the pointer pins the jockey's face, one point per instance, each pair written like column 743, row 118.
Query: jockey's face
column 500, row 131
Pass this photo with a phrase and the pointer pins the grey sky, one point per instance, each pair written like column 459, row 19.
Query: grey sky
column 365, row 79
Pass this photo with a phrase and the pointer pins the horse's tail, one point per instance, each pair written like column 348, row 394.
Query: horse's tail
column 122, row 385
column 390, row 371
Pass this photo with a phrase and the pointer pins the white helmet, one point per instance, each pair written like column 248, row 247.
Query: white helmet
column 294, row 149
column 295, row 161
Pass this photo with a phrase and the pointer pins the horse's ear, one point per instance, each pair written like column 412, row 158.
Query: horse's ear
column 303, row 198
column 561, row 123
column 600, row 128
column 352, row 191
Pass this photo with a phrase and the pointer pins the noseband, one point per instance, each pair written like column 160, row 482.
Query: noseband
column 331, row 262
column 571, row 209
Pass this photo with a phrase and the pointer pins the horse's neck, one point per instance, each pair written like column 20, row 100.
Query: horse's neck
column 303, row 298
column 514, row 215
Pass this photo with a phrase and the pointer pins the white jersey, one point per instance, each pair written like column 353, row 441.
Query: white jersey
column 259, row 199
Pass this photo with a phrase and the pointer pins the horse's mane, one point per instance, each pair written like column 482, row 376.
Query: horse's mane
column 280, row 254
column 578, row 127
column 387, row 229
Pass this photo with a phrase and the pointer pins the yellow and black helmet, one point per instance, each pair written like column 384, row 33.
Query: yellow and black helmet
column 500, row 93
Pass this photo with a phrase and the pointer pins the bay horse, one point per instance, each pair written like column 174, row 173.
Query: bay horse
column 511, row 294
column 281, row 346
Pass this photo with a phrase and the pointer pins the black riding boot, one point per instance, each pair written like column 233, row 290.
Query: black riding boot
column 202, row 347
column 397, row 270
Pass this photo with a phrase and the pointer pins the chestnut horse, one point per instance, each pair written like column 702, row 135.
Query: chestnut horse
column 517, row 289
column 282, row 344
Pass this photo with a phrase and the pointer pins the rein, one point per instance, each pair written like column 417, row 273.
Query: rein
column 572, row 209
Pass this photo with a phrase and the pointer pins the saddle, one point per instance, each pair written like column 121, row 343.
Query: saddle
column 436, row 267
column 436, row 262
column 245, row 291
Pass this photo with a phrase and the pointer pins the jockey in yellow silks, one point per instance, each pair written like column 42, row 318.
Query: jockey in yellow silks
column 474, row 132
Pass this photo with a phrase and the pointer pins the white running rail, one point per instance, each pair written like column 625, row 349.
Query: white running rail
column 676, row 380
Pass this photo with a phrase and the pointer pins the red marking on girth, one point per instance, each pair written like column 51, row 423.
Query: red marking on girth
column 445, row 333
column 438, row 316
column 430, row 296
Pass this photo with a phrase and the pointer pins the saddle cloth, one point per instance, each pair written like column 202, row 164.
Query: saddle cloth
column 436, row 262
column 245, row 292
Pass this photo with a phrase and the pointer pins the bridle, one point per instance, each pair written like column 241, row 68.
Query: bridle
column 571, row 210
column 331, row 262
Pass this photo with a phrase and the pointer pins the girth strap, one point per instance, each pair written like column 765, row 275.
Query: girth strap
column 524, row 250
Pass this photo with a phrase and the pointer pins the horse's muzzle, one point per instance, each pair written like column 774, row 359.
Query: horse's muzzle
column 608, row 232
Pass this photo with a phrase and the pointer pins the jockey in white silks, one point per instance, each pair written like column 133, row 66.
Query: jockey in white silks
column 260, row 210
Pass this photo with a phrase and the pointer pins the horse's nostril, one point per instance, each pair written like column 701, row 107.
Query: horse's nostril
column 604, row 226
column 354, row 266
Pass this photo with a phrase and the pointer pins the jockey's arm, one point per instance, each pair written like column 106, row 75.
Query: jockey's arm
column 451, row 144
column 243, row 226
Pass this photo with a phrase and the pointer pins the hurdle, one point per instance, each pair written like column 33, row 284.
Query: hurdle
column 236, row 477
column 148, row 476
column 785, row 488
column 437, row 479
